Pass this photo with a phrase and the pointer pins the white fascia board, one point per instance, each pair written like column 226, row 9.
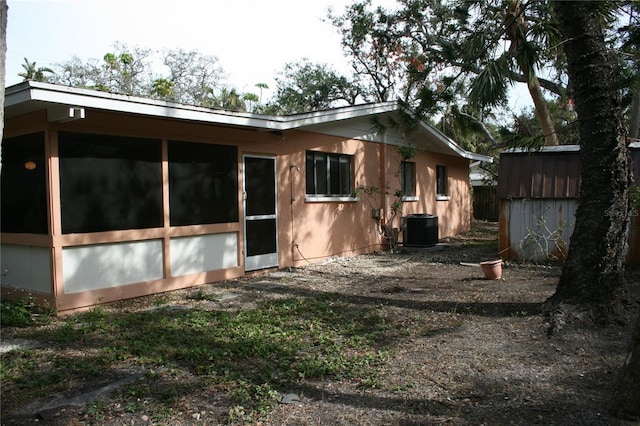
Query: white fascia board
column 55, row 94
column 337, row 114
column 478, row 157
column 449, row 143
column 333, row 115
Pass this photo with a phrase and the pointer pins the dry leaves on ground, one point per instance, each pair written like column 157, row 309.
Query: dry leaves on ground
column 465, row 350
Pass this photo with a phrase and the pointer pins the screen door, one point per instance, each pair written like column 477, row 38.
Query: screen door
column 260, row 220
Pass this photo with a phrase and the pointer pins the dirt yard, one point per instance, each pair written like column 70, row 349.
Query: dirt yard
column 477, row 351
column 492, row 364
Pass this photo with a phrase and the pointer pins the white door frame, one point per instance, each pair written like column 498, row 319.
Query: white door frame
column 265, row 260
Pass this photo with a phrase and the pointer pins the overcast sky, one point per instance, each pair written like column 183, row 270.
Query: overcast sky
column 253, row 39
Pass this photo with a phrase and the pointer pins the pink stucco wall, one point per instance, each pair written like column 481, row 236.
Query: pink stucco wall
column 308, row 231
column 454, row 214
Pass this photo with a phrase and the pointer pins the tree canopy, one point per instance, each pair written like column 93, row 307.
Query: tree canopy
column 433, row 54
column 455, row 60
column 306, row 86
column 186, row 77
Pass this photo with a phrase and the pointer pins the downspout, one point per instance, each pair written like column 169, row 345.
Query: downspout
column 383, row 179
column 294, row 245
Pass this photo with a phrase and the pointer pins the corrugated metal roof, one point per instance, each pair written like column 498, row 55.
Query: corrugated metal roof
column 552, row 172
column 539, row 174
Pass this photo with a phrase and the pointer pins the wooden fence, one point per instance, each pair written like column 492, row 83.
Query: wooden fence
column 485, row 203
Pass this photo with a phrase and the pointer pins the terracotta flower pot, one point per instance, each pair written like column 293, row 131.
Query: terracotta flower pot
column 492, row 269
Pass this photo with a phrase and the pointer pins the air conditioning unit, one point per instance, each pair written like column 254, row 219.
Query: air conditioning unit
column 421, row 230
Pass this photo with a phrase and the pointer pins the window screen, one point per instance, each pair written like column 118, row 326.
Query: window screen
column 408, row 178
column 203, row 183
column 109, row 183
column 24, row 185
column 328, row 174
column 441, row 180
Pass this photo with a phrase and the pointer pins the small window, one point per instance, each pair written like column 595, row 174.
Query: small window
column 441, row 181
column 328, row 175
column 408, row 179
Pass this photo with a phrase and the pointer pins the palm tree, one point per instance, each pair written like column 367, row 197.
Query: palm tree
column 229, row 99
column 252, row 99
column 32, row 72
column 592, row 277
column 491, row 83
column 162, row 88
column 526, row 57
column 436, row 53
column 261, row 86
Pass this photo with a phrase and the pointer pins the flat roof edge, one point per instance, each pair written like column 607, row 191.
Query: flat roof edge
column 48, row 93
column 87, row 98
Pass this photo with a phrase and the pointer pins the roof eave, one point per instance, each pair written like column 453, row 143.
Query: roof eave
column 52, row 95
column 450, row 144
column 337, row 114
column 84, row 98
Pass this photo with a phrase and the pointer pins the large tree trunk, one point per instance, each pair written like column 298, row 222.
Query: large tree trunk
column 592, row 277
column 3, row 59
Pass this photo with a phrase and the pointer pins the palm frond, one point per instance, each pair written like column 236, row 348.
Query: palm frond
column 489, row 88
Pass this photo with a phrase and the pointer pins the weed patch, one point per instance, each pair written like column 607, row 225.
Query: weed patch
column 22, row 311
column 254, row 353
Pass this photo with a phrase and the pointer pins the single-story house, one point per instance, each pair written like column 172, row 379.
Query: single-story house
column 539, row 193
column 107, row 197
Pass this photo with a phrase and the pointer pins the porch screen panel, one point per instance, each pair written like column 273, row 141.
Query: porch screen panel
column 24, row 185
column 203, row 183
column 109, row 183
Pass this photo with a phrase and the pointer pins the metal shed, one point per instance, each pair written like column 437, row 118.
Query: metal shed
column 538, row 194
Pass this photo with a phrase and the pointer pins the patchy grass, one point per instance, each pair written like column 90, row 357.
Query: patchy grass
column 246, row 355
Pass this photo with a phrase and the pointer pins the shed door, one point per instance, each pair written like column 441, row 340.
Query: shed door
column 260, row 221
